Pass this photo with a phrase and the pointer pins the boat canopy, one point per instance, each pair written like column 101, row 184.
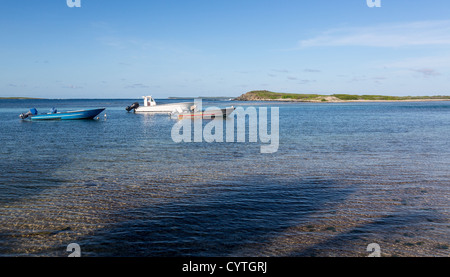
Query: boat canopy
column 149, row 101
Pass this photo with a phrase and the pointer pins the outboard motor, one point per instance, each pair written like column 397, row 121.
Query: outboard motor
column 32, row 111
column 132, row 106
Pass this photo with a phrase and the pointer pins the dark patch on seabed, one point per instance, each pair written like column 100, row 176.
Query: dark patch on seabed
column 216, row 224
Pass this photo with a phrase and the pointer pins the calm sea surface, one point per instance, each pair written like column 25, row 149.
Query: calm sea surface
column 344, row 176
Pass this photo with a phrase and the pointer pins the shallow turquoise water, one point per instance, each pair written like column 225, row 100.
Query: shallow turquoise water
column 345, row 175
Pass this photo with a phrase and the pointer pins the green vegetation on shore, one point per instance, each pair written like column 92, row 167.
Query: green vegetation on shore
column 279, row 96
column 385, row 97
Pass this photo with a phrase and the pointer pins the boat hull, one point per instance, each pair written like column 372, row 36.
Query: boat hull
column 72, row 115
column 209, row 114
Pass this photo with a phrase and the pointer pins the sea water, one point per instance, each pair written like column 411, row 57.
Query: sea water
column 345, row 175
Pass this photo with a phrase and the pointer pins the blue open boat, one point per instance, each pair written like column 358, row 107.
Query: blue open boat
column 70, row 115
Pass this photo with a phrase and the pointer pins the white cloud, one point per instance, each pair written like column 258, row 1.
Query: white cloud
column 422, row 66
column 386, row 35
column 427, row 72
column 72, row 87
column 310, row 70
column 419, row 62
column 138, row 86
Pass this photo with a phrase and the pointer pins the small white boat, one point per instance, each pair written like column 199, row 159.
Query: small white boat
column 206, row 114
column 150, row 106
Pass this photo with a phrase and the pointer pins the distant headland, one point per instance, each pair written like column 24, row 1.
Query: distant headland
column 19, row 98
column 265, row 95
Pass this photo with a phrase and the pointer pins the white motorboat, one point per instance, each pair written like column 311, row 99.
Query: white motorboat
column 151, row 106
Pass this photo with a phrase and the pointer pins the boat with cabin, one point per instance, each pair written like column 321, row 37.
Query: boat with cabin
column 150, row 106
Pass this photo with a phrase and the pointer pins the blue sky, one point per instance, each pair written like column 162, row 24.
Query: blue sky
column 126, row 49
